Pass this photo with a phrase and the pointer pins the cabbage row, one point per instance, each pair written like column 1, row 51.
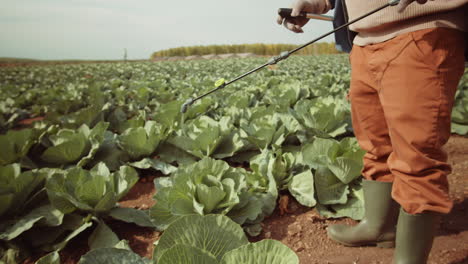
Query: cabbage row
column 284, row 130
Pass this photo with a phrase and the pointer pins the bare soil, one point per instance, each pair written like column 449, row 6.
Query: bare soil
column 304, row 230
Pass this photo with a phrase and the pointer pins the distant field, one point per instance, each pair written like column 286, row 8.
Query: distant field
column 16, row 60
column 9, row 62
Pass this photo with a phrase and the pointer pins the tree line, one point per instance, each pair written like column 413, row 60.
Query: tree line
column 258, row 49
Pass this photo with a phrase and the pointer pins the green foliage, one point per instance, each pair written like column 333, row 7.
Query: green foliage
column 212, row 233
column 205, row 137
column 70, row 146
column 288, row 172
column 265, row 251
column 210, row 186
column 15, row 145
column 112, row 256
column 211, row 239
column 323, row 117
column 216, row 239
column 337, row 169
column 141, row 142
column 265, row 131
column 94, row 191
column 18, row 189
column 460, row 109
column 98, row 126
column 258, row 49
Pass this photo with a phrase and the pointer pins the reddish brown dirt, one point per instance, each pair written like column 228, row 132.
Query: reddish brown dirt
column 304, row 230
column 141, row 239
column 29, row 121
column 141, row 195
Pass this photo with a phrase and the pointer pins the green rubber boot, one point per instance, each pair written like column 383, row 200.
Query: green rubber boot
column 415, row 234
column 379, row 223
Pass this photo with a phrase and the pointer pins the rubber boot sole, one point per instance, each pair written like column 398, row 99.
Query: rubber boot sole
column 381, row 244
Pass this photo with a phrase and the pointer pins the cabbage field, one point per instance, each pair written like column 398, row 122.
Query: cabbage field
column 74, row 140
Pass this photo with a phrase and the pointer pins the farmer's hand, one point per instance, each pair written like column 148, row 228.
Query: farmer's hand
column 295, row 23
column 404, row 3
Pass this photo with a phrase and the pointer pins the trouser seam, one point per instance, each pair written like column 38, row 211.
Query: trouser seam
column 437, row 119
column 380, row 88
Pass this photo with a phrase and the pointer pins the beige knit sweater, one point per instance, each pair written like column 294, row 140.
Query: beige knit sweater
column 388, row 23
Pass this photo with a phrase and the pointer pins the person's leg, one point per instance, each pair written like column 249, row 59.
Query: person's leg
column 369, row 125
column 417, row 96
column 370, row 128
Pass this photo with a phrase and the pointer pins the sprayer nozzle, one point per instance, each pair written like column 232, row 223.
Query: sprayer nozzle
column 185, row 106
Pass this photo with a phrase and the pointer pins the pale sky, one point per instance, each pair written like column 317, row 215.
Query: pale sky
column 101, row 29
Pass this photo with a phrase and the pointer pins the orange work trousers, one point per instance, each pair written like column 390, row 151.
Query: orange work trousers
column 402, row 93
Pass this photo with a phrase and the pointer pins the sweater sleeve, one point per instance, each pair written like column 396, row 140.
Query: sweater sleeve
column 316, row 6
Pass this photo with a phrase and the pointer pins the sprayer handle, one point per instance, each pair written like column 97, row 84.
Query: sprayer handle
column 286, row 13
